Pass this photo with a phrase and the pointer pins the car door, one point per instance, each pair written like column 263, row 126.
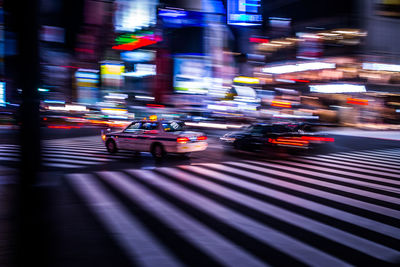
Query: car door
column 128, row 138
column 257, row 138
column 148, row 132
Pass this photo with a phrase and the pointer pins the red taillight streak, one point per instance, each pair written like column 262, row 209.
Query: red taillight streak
column 201, row 138
column 357, row 103
column 288, row 141
column 315, row 138
column 182, row 140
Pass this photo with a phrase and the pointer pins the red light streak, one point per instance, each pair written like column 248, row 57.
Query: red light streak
column 155, row 106
column 288, row 141
column 281, row 104
column 316, row 138
column 300, row 81
column 142, row 41
column 201, row 138
column 356, row 101
column 258, row 40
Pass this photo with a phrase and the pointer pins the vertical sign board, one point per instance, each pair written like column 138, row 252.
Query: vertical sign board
column 87, row 84
column 2, row 94
column 244, row 12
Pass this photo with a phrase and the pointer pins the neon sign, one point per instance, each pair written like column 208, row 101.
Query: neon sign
column 132, row 41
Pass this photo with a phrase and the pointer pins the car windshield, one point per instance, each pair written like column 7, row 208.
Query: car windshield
column 173, row 126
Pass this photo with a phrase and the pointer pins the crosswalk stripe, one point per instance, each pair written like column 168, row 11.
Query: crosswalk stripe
column 94, row 154
column 376, row 161
column 94, row 151
column 99, row 149
column 12, row 154
column 369, row 157
column 212, row 243
column 358, row 161
column 301, row 202
column 134, row 238
column 9, row 145
column 81, row 162
column 360, row 165
column 9, row 158
column 377, row 155
column 311, row 191
column 10, row 148
column 46, row 155
column 61, row 165
column 302, row 168
column 288, row 245
column 331, row 185
column 354, row 170
column 334, row 234
column 388, row 152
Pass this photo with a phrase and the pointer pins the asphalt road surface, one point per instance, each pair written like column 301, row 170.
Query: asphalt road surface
column 335, row 207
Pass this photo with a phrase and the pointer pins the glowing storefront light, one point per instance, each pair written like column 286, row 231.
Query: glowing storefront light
column 249, row 80
column 142, row 70
column 337, row 88
column 381, row 67
column 299, row 67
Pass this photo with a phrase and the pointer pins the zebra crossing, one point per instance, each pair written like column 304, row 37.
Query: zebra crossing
column 67, row 153
column 339, row 209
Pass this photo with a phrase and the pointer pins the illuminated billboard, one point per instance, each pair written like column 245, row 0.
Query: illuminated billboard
column 111, row 74
column 244, row 12
column 174, row 18
column 135, row 40
column 191, row 75
column 132, row 15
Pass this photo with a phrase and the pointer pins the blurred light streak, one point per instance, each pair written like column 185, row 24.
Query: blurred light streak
column 337, row 88
column 381, row 67
column 144, row 97
column 248, row 80
column 281, row 104
column 155, row 106
column 299, row 67
column 258, row 40
column 356, row 101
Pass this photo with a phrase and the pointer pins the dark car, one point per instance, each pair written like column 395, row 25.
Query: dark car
column 268, row 137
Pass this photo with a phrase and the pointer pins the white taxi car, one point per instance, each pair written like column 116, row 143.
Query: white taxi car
column 156, row 136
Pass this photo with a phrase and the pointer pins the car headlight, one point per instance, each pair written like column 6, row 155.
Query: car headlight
column 228, row 139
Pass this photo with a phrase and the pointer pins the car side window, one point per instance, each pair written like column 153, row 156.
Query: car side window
column 149, row 126
column 134, row 127
column 258, row 130
column 280, row 129
column 172, row 126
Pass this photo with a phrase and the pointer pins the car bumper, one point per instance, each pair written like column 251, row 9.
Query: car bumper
column 189, row 147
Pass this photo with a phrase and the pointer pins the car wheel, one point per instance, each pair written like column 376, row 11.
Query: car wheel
column 111, row 146
column 158, row 151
